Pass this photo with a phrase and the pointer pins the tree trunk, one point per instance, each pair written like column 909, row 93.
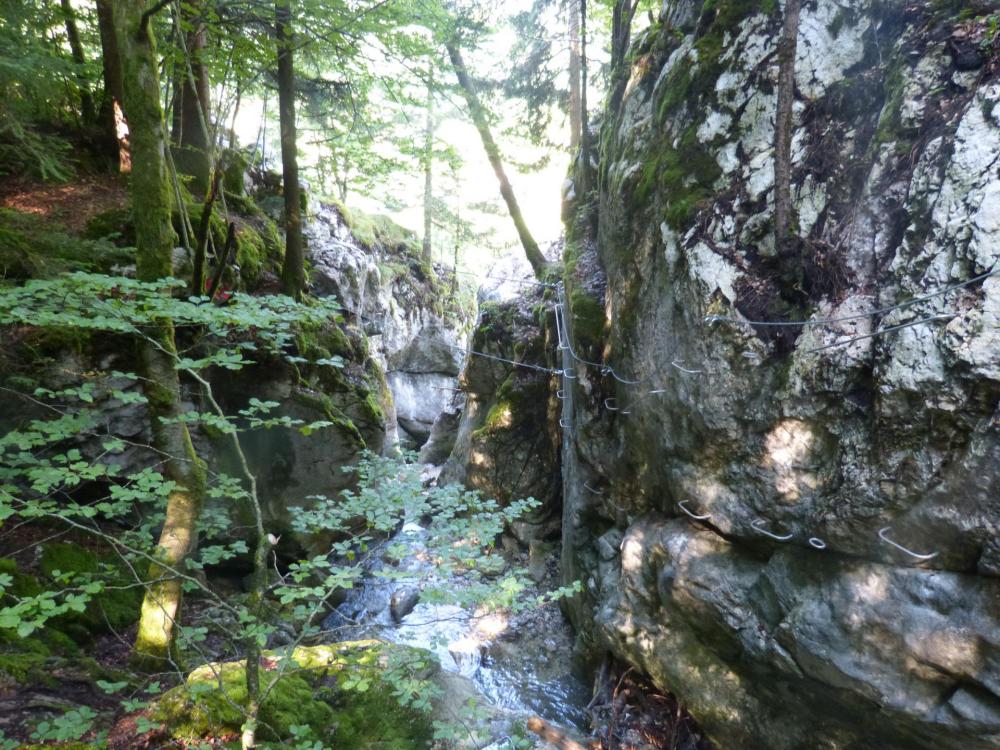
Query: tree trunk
column 586, row 183
column 622, row 14
column 531, row 250
column 429, row 169
column 76, row 48
column 154, row 249
column 783, row 126
column 192, row 107
column 575, row 63
column 203, row 236
column 110, row 116
column 293, row 270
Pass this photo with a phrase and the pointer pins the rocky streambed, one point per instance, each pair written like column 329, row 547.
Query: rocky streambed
column 513, row 664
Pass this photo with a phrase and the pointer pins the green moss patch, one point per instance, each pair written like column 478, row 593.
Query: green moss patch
column 213, row 705
column 337, row 691
column 32, row 247
column 114, row 608
column 24, row 668
column 683, row 176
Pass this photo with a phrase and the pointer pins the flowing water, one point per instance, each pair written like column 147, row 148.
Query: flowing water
column 524, row 664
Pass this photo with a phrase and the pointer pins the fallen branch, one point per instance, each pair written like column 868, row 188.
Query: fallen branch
column 552, row 734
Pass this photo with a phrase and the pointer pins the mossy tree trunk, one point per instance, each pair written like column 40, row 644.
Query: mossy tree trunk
column 154, row 249
column 531, row 249
column 783, row 126
column 293, row 269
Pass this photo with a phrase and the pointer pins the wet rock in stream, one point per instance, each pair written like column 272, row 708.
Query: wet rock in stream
column 515, row 664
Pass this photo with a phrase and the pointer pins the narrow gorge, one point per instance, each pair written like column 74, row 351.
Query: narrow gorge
column 720, row 470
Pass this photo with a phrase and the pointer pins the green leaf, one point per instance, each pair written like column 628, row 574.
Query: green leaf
column 110, row 687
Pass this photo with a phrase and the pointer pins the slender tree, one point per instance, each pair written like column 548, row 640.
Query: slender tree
column 192, row 102
column 293, row 269
column 428, row 159
column 783, row 125
column 585, row 148
column 80, row 60
column 478, row 113
column 622, row 15
column 155, row 241
column 573, row 13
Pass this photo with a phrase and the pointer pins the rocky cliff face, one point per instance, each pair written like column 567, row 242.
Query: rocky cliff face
column 399, row 365
column 506, row 441
column 416, row 326
column 787, row 615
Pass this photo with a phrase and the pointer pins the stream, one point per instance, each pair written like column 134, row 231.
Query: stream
column 523, row 664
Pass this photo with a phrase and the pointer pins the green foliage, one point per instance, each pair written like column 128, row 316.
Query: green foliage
column 45, row 477
column 41, row 88
column 72, row 725
column 32, row 247
column 120, row 305
column 114, row 607
column 342, row 696
column 212, row 704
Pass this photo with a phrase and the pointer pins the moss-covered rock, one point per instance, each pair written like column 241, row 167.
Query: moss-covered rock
column 24, row 668
column 212, row 703
column 114, row 608
column 115, row 225
column 339, row 692
column 507, row 444
column 32, row 247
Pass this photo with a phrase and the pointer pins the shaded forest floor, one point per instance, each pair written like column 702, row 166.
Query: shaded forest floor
column 71, row 204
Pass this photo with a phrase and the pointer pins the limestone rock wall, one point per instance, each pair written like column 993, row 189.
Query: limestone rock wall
column 819, row 633
column 506, row 443
column 415, row 323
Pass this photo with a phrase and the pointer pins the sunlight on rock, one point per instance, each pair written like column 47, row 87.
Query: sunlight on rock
column 950, row 649
column 632, row 554
column 788, row 446
column 872, row 586
column 491, row 625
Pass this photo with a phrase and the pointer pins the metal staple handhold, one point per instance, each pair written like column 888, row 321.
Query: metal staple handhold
column 910, row 552
column 682, row 503
column 561, row 394
column 596, row 492
column 657, row 390
column 607, row 403
column 756, row 526
column 684, row 369
column 560, row 329
column 565, row 423
column 816, row 542
column 567, row 371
